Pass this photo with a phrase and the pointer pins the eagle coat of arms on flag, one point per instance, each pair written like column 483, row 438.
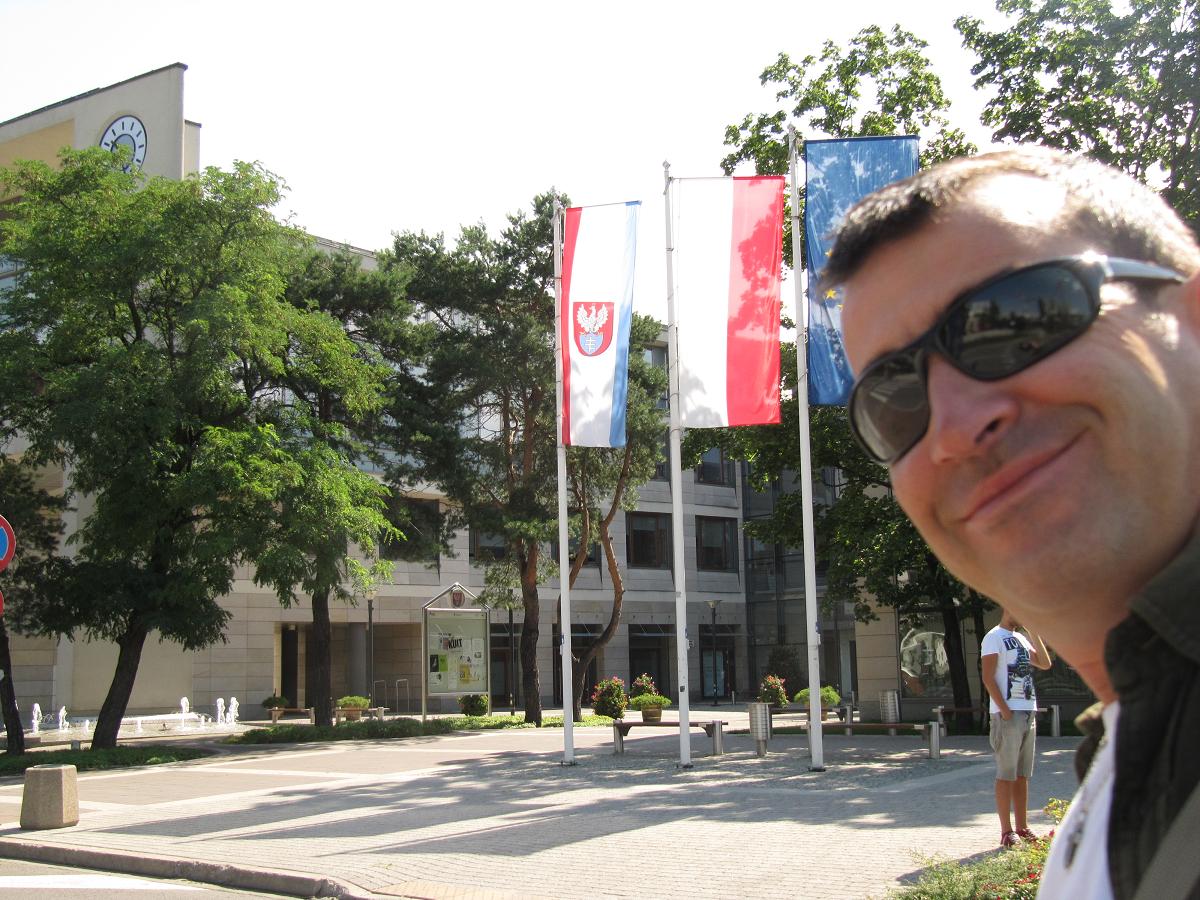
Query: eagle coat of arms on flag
column 592, row 326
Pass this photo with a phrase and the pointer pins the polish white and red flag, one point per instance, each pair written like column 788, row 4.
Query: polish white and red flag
column 728, row 236
column 599, row 251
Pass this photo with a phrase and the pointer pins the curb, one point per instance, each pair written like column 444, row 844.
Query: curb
column 242, row 877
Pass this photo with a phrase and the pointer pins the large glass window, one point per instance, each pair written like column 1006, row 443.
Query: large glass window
column 924, row 664
column 714, row 468
column 486, row 546
column 648, row 540
column 420, row 520
column 716, row 544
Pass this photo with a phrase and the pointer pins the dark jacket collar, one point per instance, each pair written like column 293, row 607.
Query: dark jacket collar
column 1170, row 603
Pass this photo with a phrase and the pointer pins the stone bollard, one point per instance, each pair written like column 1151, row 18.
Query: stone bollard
column 50, row 799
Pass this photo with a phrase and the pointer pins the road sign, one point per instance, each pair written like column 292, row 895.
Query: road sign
column 8, row 543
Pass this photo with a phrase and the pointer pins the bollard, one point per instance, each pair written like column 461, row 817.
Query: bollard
column 50, row 798
column 935, row 740
column 1055, row 720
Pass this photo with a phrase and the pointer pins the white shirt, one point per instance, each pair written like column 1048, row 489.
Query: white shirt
column 1085, row 827
column 1014, row 671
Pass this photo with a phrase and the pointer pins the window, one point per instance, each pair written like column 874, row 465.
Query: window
column 716, row 544
column 657, row 356
column 593, row 557
column 662, row 471
column 714, row 468
column 486, row 546
column 648, row 541
column 421, row 522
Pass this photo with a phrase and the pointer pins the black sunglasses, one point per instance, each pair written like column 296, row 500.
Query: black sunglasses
column 991, row 331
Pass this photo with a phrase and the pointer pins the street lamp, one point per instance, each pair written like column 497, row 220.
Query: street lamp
column 712, row 605
column 371, row 645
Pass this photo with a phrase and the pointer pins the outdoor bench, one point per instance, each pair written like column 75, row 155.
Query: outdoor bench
column 278, row 711
column 714, row 729
column 370, row 712
column 1053, row 709
column 928, row 730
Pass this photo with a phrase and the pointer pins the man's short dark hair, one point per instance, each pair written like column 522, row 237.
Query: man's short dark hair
column 1122, row 216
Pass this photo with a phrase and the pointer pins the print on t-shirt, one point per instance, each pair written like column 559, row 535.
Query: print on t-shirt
column 1020, row 672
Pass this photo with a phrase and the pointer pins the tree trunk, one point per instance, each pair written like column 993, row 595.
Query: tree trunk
column 977, row 617
column 529, row 638
column 320, row 695
column 957, row 660
column 8, row 698
column 614, row 620
column 129, row 656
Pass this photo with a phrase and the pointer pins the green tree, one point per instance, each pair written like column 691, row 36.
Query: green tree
column 490, row 369
column 1118, row 84
column 346, row 322
column 36, row 516
column 878, row 84
column 140, row 348
column 601, row 481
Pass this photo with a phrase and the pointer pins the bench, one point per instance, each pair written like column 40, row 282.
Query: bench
column 370, row 712
column 928, row 730
column 714, row 729
column 1053, row 709
column 278, row 711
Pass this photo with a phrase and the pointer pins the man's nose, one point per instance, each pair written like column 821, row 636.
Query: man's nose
column 966, row 416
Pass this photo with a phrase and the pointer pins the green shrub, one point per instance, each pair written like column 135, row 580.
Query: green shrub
column 829, row 697
column 643, row 684
column 473, row 704
column 649, row 701
column 772, row 691
column 353, row 701
column 114, row 758
column 609, row 698
column 276, row 700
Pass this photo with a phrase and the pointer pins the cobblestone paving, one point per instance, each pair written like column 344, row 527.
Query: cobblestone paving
column 497, row 815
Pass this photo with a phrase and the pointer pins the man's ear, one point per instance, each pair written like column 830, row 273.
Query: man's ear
column 1189, row 303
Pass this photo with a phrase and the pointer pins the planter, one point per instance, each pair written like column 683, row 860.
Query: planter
column 351, row 713
column 652, row 714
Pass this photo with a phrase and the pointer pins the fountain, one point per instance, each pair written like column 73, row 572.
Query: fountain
column 220, row 710
column 232, row 716
column 62, row 718
column 37, row 718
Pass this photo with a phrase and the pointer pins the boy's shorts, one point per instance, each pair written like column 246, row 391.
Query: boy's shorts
column 1013, row 743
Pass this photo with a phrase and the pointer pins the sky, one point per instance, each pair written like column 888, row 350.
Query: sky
column 385, row 117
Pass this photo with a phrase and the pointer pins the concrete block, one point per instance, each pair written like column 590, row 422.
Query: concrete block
column 50, row 798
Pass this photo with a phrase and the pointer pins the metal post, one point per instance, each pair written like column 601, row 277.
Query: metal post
column 1055, row 720
column 371, row 645
column 512, row 676
column 713, row 606
column 935, row 739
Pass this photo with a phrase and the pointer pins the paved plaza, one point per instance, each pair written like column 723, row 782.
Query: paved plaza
column 495, row 814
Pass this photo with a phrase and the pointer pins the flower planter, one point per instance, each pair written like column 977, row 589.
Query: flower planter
column 652, row 714
column 351, row 713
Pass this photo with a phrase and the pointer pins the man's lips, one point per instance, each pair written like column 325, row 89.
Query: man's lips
column 993, row 490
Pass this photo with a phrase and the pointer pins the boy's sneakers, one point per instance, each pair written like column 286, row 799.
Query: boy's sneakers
column 1009, row 840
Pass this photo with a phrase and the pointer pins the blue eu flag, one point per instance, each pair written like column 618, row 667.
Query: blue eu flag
column 839, row 173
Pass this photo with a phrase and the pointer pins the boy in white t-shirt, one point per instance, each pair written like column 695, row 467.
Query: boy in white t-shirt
column 1009, row 659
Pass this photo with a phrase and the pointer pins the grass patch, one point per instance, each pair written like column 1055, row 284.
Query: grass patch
column 374, row 729
column 85, row 760
column 1010, row 874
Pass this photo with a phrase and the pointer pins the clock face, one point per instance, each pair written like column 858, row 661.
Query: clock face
column 128, row 132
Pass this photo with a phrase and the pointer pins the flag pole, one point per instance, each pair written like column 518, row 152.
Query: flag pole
column 816, row 736
column 564, row 557
column 676, row 432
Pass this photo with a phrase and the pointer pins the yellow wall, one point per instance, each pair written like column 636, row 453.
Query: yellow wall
column 42, row 145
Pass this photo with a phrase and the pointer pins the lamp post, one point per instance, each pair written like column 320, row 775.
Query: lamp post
column 712, row 605
column 371, row 645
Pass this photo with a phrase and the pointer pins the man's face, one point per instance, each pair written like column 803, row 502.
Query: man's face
column 1060, row 490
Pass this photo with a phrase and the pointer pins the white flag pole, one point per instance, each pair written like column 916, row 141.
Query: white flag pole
column 564, row 556
column 676, row 432
column 816, row 736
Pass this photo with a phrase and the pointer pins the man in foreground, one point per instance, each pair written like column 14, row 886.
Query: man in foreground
column 1008, row 659
column 1026, row 329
